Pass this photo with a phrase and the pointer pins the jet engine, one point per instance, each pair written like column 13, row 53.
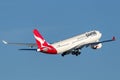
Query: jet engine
column 96, row 46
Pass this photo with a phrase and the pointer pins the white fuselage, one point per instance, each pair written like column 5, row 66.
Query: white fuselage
column 77, row 41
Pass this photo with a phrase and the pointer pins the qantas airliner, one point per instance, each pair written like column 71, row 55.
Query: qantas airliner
column 68, row 46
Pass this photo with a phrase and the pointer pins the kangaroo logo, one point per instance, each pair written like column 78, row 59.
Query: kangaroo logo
column 40, row 40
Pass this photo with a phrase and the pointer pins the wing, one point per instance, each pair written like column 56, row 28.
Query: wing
column 22, row 44
column 76, row 50
column 113, row 39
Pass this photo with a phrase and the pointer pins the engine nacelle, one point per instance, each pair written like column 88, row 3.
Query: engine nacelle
column 97, row 46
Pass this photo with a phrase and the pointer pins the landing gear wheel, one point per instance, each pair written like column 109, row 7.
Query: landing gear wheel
column 79, row 53
column 62, row 55
column 76, row 54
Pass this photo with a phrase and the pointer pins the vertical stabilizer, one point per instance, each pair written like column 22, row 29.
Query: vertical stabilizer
column 43, row 46
column 40, row 41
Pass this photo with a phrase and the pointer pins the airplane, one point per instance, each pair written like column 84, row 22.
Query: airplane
column 68, row 46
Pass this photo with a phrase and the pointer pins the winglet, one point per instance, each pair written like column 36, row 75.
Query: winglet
column 113, row 38
column 4, row 42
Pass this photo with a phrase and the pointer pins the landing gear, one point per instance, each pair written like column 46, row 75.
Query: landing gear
column 74, row 52
column 62, row 55
column 65, row 53
column 78, row 53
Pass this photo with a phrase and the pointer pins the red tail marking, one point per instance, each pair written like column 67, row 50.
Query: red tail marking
column 39, row 39
column 42, row 44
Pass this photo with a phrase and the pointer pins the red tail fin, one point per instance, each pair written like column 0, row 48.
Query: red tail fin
column 43, row 46
column 39, row 39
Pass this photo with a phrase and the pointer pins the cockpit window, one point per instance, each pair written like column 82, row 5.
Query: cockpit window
column 91, row 33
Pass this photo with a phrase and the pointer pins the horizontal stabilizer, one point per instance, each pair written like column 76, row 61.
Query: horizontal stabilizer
column 29, row 49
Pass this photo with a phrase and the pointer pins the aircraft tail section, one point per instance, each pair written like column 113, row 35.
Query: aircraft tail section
column 40, row 41
column 43, row 46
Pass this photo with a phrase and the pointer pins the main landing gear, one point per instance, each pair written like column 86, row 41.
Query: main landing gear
column 74, row 52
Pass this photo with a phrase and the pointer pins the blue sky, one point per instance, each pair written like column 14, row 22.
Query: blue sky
column 58, row 20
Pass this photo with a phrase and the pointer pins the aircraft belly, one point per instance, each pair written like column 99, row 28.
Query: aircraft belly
column 62, row 49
